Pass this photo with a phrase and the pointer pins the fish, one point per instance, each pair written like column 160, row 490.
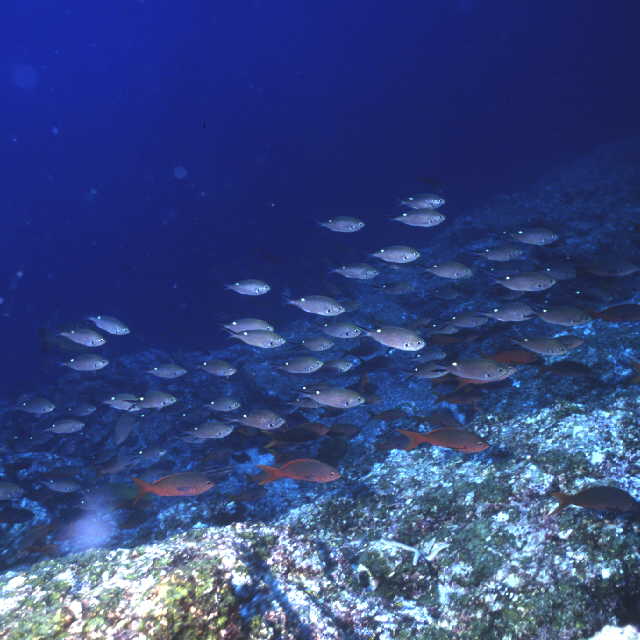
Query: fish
column 111, row 325
column 263, row 419
column 342, row 330
column 186, row 483
column 154, row 400
column 511, row 312
column 66, row 425
column 336, row 397
column 397, row 338
column 564, row 316
column 527, row 281
column 448, row 437
column 614, row 269
column 224, row 404
column 167, row 371
column 259, row 338
column 302, row 364
column 429, row 355
column 341, row 365
column 83, row 409
column 318, row 305
column 429, row 371
column 390, row 415
column 397, row 254
column 122, row 401
column 343, row 224
column 61, row 484
column 125, row 424
column 462, row 397
column 504, row 253
column 10, row 490
column 83, row 336
column 221, row 368
column 619, row 313
column 483, row 369
column 423, row 201
column 357, row 271
column 209, row 430
column 249, row 287
column 421, row 218
column 305, row 469
column 297, row 435
column 599, row 497
column 544, row 346
column 345, row 429
column 468, row 320
column 37, row 406
column 318, row 344
column 86, row 362
column 248, row 324
column 538, row 236
column 451, row 270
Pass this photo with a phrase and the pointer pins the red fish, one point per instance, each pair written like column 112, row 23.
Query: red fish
column 188, row 483
column 300, row 469
column 514, row 356
column 451, row 438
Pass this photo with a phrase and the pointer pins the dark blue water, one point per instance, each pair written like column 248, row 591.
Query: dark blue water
column 280, row 112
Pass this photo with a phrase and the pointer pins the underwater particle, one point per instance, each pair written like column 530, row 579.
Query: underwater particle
column 423, row 201
column 220, row 368
column 37, row 406
column 66, row 425
column 359, row 271
column 451, row 270
column 527, row 281
column 10, row 490
column 248, row 324
column 448, row 437
column 300, row 469
column 85, row 337
column 397, row 254
column 187, row 483
column 302, row 364
column 600, row 498
column 180, row 173
column 421, row 218
column 259, row 338
column 318, row 305
column 397, row 338
column 167, row 371
column 110, row 324
column 250, row 287
column 86, row 362
column 538, row 236
column 343, row 224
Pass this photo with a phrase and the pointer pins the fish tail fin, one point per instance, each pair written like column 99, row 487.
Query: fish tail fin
column 268, row 474
column 564, row 500
column 415, row 439
column 143, row 487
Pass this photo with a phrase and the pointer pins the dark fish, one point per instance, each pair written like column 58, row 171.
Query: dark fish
column 300, row 469
column 570, row 369
column 344, row 429
column 619, row 313
column 390, row 415
column 601, row 498
column 15, row 515
column 538, row 236
column 514, row 356
column 451, row 438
